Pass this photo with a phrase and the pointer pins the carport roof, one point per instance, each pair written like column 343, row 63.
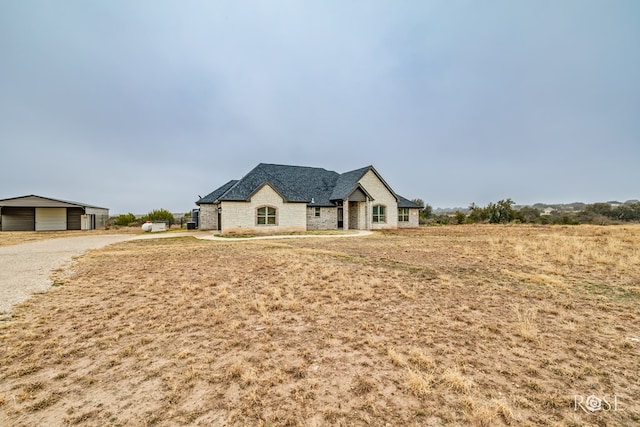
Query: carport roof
column 34, row 201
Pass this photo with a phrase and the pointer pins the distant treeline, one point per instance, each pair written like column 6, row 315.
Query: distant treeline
column 503, row 212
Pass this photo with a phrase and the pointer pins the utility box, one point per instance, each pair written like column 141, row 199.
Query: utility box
column 158, row 226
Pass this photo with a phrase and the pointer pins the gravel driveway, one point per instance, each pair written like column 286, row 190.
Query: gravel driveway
column 26, row 268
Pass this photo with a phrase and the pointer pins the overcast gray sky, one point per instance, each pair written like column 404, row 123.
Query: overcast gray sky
column 138, row 105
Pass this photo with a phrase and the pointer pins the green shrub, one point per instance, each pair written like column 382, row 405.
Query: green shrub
column 160, row 215
column 124, row 220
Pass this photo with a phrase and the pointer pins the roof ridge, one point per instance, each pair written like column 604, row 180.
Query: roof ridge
column 295, row 183
column 294, row 166
column 71, row 202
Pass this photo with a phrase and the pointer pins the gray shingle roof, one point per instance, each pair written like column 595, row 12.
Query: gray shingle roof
column 215, row 194
column 406, row 203
column 314, row 186
column 293, row 183
column 347, row 182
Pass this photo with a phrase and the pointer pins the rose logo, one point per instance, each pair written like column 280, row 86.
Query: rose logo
column 593, row 403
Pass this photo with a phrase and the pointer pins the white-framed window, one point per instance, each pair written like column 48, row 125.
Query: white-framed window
column 317, row 211
column 403, row 214
column 266, row 215
column 379, row 213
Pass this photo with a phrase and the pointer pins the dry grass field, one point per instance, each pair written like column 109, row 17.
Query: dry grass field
column 461, row 325
column 8, row 238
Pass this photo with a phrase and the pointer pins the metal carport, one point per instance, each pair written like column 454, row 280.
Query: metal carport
column 37, row 213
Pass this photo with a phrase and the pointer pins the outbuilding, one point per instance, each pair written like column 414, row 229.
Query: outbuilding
column 37, row 213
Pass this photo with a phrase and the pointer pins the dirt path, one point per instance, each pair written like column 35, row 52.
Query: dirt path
column 26, row 268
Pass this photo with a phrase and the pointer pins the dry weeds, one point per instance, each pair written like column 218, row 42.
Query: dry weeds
column 8, row 238
column 466, row 325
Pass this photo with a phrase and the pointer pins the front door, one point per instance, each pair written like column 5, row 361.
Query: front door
column 340, row 218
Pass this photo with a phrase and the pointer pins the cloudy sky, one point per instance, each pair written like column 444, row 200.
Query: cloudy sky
column 138, row 105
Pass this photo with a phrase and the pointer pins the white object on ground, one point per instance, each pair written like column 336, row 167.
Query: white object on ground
column 158, row 226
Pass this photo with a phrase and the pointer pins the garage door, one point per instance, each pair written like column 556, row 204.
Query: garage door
column 18, row 219
column 74, row 218
column 51, row 219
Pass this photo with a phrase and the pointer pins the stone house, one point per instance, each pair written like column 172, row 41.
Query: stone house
column 281, row 198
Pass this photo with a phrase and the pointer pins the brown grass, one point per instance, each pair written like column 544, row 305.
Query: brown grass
column 466, row 325
column 8, row 238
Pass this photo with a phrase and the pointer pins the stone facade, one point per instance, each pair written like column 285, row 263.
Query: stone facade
column 241, row 217
column 414, row 220
column 328, row 219
column 208, row 217
column 381, row 196
column 356, row 215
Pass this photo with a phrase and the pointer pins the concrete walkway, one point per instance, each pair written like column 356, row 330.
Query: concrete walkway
column 26, row 268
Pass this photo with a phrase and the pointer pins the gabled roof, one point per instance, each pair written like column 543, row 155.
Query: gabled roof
column 215, row 194
column 314, row 186
column 293, row 183
column 33, row 200
column 348, row 182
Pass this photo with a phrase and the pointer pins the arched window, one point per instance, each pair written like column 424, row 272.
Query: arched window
column 266, row 215
column 379, row 213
